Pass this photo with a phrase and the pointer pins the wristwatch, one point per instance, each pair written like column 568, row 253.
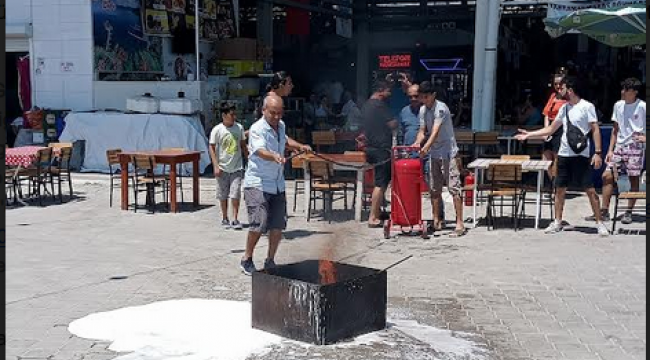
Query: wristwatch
column 598, row 152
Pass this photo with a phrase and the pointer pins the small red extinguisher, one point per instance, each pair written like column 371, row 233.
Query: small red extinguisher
column 469, row 194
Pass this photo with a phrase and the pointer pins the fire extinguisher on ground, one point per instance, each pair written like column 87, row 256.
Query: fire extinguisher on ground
column 469, row 184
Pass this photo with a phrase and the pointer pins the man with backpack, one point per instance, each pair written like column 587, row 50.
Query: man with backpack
column 578, row 116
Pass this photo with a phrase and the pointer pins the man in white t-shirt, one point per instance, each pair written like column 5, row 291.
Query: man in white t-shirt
column 227, row 151
column 626, row 153
column 574, row 169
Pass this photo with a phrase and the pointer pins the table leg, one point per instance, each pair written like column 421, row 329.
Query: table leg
column 358, row 201
column 305, row 167
column 475, row 196
column 540, row 183
column 196, row 191
column 173, row 206
column 124, row 182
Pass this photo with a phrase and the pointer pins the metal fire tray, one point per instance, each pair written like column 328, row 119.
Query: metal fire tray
column 291, row 301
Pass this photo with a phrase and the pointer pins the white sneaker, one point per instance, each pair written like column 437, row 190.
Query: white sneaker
column 554, row 228
column 602, row 230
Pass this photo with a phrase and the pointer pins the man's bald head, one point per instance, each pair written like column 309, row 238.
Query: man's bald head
column 273, row 100
column 273, row 109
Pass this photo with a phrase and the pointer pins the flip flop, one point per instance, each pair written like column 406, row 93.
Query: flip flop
column 458, row 233
column 376, row 226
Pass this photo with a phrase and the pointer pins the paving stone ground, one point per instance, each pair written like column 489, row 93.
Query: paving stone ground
column 524, row 295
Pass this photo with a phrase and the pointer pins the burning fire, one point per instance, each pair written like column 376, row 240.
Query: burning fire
column 327, row 271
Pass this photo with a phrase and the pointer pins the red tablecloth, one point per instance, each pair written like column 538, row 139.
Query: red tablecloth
column 23, row 156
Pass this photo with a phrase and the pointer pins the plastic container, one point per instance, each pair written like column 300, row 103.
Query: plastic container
column 145, row 104
column 179, row 106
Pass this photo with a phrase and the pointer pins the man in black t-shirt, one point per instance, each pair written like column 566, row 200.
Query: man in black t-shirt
column 378, row 125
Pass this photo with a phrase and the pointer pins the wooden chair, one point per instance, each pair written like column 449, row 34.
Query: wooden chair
column 505, row 181
column 516, row 157
column 465, row 142
column 486, row 141
column 60, row 145
column 113, row 157
column 145, row 180
column 39, row 174
column 62, row 171
column 11, row 184
column 627, row 195
column 323, row 138
column 322, row 181
column 179, row 171
column 298, row 183
column 548, row 194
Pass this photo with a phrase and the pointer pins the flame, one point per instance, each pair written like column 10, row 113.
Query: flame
column 327, row 271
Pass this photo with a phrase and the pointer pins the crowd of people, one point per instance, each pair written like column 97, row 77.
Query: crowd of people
column 570, row 124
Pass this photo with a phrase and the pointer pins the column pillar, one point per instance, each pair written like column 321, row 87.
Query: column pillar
column 480, row 38
column 491, row 55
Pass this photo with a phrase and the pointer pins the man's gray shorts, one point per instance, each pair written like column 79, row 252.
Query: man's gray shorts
column 265, row 211
column 229, row 185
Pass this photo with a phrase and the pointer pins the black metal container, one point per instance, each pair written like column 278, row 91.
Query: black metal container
column 291, row 301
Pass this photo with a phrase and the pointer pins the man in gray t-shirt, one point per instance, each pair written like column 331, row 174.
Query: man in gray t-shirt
column 437, row 128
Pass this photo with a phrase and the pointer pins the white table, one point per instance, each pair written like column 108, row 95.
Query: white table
column 540, row 166
column 343, row 162
column 134, row 132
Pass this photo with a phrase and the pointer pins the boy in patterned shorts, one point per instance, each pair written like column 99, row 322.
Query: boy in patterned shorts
column 627, row 146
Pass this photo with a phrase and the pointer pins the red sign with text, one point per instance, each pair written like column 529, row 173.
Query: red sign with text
column 402, row 61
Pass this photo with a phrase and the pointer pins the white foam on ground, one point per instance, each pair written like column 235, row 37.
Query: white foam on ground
column 196, row 329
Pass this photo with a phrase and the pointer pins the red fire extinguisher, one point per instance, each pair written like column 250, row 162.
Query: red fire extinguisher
column 469, row 194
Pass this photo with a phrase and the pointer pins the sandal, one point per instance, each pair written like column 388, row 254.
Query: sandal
column 375, row 226
column 458, row 233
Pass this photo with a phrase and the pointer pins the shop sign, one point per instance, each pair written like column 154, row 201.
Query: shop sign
column 399, row 61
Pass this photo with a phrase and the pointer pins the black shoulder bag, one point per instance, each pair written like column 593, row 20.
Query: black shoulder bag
column 578, row 141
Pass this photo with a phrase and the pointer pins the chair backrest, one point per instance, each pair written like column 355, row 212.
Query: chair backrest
column 500, row 174
column 59, row 145
column 113, row 156
column 486, row 138
column 296, row 162
column 320, row 170
column 464, row 137
column 144, row 162
column 516, row 157
column 323, row 138
column 44, row 158
column 65, row 155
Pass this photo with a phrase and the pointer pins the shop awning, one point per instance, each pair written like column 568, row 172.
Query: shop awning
column 615, row 23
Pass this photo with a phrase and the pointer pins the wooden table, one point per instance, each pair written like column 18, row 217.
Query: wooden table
column 167, row 157
column 540, row 166
column 350, row 162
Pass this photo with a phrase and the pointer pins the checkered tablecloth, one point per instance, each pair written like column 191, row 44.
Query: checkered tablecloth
column 22, row 156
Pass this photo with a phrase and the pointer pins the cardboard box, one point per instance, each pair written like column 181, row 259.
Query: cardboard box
column 237, row 49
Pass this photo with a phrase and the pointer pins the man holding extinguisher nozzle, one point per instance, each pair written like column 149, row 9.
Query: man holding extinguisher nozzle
column 437, row 128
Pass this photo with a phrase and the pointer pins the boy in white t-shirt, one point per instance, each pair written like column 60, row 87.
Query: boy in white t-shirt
column 227, row 151
column 626, row 152
column 574, row 169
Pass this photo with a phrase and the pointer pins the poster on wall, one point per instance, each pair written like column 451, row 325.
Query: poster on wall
column 164, row 17
column 121, row 45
